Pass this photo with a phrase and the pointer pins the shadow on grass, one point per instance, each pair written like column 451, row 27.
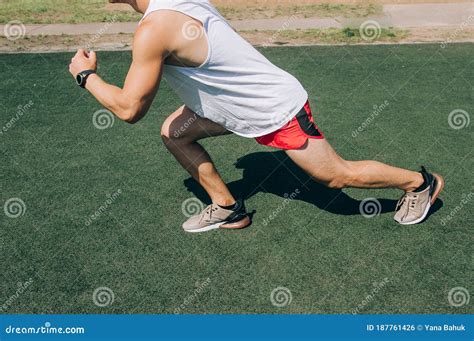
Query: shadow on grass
column 275, row 173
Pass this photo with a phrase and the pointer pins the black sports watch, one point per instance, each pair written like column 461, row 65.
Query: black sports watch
column 81, row 77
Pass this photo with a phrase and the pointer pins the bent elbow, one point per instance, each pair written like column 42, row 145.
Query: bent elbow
column 132, row 111
column 132, row 115
column 130, row 119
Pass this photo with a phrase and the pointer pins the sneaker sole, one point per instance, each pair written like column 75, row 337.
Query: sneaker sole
column 205, row 228
column 439, row 188
column 231, row 226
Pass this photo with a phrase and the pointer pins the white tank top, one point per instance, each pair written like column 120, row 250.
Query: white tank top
column 236, row 87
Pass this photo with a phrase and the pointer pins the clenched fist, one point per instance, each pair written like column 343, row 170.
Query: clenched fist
column 82, row 61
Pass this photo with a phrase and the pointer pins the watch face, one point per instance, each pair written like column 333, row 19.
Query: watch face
column 79, row 79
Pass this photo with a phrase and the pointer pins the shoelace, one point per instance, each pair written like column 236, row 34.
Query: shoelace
column 400, row 203
column 410, row 200
column 208, row 212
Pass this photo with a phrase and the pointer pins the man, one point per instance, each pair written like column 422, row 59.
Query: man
column 227, row 86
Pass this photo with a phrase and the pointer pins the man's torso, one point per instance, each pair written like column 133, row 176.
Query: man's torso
column 220, row 76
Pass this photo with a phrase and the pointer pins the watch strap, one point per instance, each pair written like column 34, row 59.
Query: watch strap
column 84, row 75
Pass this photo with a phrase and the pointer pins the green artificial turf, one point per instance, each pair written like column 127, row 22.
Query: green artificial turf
column 318, row 246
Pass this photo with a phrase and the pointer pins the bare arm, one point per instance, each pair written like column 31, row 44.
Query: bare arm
column 133, row 101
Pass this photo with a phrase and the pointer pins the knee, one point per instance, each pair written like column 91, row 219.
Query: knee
column 169, row 136
column 166, row 134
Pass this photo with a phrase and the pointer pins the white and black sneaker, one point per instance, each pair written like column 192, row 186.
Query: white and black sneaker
column 413, row 207
column 215, row 216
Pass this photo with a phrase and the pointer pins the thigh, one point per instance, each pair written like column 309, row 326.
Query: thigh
column 318, row 159
column 186, row 124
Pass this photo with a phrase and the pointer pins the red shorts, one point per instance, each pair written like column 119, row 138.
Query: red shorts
column 295, row 133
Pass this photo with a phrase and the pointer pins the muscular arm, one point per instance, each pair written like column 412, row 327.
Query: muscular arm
column 133, row 101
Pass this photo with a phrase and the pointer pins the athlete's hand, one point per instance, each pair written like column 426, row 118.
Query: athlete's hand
column 82, row 61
